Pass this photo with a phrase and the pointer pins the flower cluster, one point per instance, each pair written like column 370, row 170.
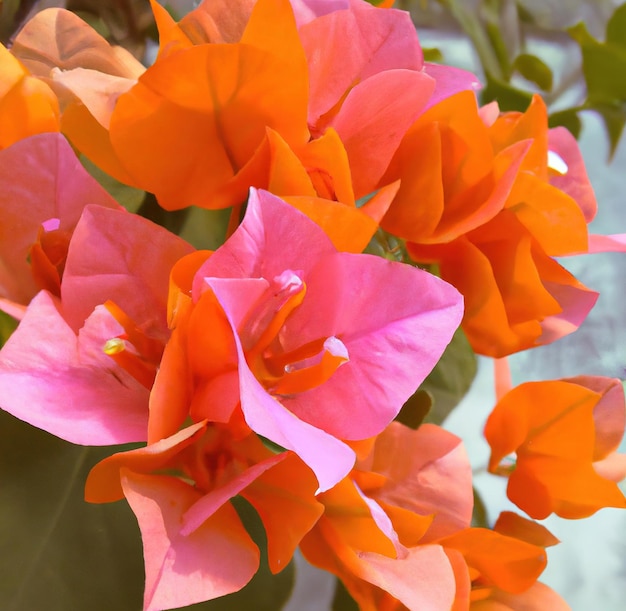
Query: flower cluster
column 273, row 367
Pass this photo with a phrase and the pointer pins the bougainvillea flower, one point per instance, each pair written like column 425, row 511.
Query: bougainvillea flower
column 487, row 596
column 497, row 214
column 348, row 542
column 379, row 87
column 564, row 434
column 187, row 111
column 56, row 371
column 374, row 93
column 43, row 191
column 407, row 501
column 213, row 21
column 493, row 562
column 187, row 520
column 269, row 75
column 302, row 335
column 86, row 73
column 27, row 105
column 425, row 472
column 372, row 536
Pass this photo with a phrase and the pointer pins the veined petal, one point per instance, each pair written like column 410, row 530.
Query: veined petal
column 216, row 559
column 65, row 384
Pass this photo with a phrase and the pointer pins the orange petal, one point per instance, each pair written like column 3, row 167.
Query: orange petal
column 508, row 563
column 284, row 498
column 57, row 38
column 28, row 108
column 103, row 483
column 514, row 525
column 349, row 229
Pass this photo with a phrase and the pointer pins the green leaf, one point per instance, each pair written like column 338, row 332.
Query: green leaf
column 604, row 66
column 534, row 70
column 451, row 378
column 432, row 55
column 129, row 197
column 507, row 96
column 59, row 552
column 479, row 513
column 415, row 409
column 173, row 220
column 8, row 324
column 616, row 27
column 342, row 600
column 494, row 34
column 614, row 118
column 567, row 118
column 205, row 229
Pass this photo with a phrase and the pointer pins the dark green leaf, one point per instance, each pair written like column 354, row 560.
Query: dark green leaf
column 567, row 118
column 479, row 514
column 616, row 27
column 172, row 220
column 342, row 600
column 205, row 229
column 433, row 55
column 451, row 378
column 7, row 326
column 129, row 197
column 507, row 96
column 58, row 552
column 534, row 70
column 415, row 409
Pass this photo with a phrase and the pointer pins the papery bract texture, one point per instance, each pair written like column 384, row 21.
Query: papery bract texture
column 308, row 335
column 27, row 105
column 480, row 197
column 56, row 370
column 559, row 431
column 43, row 191
column 207, row 465
column 218, row 558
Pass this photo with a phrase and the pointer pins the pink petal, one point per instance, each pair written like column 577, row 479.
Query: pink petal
column 575, row 181
column 367, row 40
column 374, row 118
column 576, row 302
column 122, row 257
column 65, row 384
column 257, row 248
column 422, row 580
column 40, row 175
column 329, row 458
column 607, row 243
column 609, row 415
column 205, row 507
column 427, row 472
column 216, row 559
column 307, row 10
column 392, row 335
column 448, row 81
